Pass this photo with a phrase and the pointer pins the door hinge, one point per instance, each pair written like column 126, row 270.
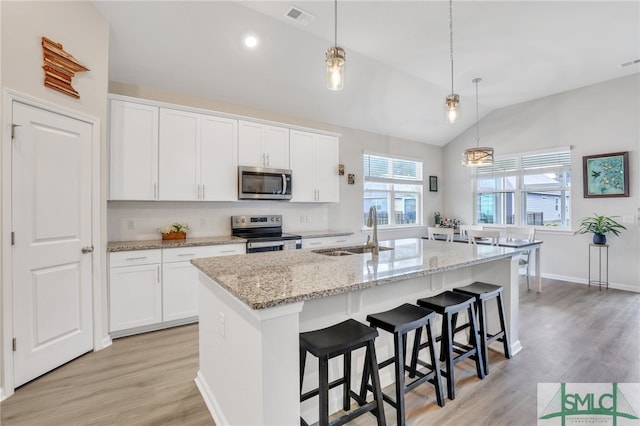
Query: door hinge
column 13, row 238
column 13, row 130
column 14, row 344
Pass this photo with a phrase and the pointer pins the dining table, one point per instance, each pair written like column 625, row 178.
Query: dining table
column 516, row 243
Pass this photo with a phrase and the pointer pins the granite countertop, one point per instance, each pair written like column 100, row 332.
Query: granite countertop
column 160, row 244
column 265, row 280
column 322, row 234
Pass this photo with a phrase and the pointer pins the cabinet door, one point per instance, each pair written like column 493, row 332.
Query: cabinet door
column 218, row 159
column 179, row 155
column 303, row 186
column 135, row 296
column 326, row 169
column 250, row 144
column 133, row 146
column 275, row 146
column 179, row 291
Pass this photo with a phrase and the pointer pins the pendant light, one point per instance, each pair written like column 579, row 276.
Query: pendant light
column 335, row 58
column 478, row 156
column 452, row 104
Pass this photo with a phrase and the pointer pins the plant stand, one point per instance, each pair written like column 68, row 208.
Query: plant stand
column 606, row 264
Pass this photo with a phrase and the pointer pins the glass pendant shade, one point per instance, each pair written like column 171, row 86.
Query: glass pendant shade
column 335, row 68
column 476, row 157
column 452, row 108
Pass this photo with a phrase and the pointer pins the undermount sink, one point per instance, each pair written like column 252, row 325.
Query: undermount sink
column 348, row 251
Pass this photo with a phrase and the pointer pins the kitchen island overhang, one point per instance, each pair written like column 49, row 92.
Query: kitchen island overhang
column 252, row 308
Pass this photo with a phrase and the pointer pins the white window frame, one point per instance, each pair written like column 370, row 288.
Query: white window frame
column 514, row 167
column 419, row 181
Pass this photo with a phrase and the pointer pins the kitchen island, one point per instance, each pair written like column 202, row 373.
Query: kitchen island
column 252, row 308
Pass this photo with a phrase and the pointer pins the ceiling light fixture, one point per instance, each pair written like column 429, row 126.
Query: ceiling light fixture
column 335, row 59
column 478, row 156
column 251, row 41
column 452, row 104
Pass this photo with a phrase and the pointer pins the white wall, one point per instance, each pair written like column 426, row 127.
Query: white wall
column 85, row 34
column 597, row 119
column 214, row 218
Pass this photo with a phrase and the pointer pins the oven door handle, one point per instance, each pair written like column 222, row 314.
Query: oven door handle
column 251, row 245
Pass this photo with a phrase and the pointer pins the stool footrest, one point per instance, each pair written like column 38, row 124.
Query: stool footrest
column 363, row 408
column 316, row 391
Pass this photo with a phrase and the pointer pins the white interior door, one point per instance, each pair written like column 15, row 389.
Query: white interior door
column 51, row 222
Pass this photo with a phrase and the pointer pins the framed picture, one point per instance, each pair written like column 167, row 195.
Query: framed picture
column 606, row 175
column 433, row 183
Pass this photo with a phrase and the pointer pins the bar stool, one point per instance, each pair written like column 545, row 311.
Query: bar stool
column 482, row 293
column 448, row 304
column 400, row 321
column 333, row 341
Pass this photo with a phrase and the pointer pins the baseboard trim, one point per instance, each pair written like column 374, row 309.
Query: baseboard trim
column 210, row 400
column 617, row 286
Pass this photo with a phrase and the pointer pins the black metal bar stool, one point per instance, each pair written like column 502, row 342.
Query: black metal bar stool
column 449, row 304
column 400, row 321
column 333, row 341
column 484, row 292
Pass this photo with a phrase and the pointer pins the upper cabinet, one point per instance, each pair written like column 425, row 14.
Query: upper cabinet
column 314, row 166
column 262, row 145
column 198, row 157
column 133, row 151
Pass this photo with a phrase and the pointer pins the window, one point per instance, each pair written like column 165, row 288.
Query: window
column 394, row 187
column 527, row 189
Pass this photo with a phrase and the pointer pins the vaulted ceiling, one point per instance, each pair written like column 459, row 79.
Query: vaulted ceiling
column 398, row 69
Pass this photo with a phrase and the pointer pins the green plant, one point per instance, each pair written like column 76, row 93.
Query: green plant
column 176, row 227
column 600, row 225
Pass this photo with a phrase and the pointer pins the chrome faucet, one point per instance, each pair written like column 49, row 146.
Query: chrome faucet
column 372, row 221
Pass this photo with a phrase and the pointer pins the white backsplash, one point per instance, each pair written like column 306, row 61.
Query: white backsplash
column 207, row 218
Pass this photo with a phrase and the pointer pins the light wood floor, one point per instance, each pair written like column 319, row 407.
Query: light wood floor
column 570, row 333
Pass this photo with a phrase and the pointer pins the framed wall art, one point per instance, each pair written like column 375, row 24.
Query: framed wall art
column 433, row 183
column 606, row 175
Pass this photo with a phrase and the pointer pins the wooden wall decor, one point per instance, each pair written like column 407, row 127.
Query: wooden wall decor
column 59, row 68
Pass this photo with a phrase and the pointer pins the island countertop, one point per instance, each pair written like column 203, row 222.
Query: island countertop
column 265, row 280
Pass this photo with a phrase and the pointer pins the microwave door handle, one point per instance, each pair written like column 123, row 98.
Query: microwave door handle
column 284, row 184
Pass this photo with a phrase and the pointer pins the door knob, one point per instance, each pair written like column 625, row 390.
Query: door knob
column 86, row 250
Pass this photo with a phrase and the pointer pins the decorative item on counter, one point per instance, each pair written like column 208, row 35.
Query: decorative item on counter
column 177, row 231
column 341, row 169
column 351, row 179
column 600, row 226
column 446, row 222
column 436, row 217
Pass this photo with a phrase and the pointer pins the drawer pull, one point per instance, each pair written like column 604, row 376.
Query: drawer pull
column 136, row 258
column 314, row 244
column 228, row 251
column 187, row 254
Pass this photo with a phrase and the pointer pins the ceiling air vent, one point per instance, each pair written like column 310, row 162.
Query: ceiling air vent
column 299, row 15
column 626, row 64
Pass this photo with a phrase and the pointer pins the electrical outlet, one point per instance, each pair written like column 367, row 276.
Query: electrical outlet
column 131, row 226
column 628, row 219
column 221, row 325
column 301, row 218
column 203, row 222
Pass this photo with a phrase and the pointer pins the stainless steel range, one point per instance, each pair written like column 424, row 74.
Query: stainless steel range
column 264, row 233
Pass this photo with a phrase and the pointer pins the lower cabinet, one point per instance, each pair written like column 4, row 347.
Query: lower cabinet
column 343, row 240
column 153, row 289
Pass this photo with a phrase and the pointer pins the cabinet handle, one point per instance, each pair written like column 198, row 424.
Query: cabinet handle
column 203, row 196
column 187, row 254
column 136, row 258
column 341, row 241
column 268, row 160
column 158, row 274
column 199, row 197
column 314, row 244
column 155, row 189
column 264, row 160
column 227, row 251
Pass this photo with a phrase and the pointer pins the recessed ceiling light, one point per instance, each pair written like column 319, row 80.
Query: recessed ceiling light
column 251, row 41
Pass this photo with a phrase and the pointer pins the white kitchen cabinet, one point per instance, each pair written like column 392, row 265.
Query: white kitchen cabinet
column 180, row 278
column 197, row 157
column 133, row 145
column 337, row 241
column 262, row 145
column 135, row 289
column 314, row 166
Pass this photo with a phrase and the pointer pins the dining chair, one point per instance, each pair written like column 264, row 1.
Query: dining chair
column 523, row 233
column 433, row 230
column 492, row 236
column 465, row 228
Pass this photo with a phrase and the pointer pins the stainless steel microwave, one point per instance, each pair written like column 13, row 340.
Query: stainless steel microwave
column 256, row 183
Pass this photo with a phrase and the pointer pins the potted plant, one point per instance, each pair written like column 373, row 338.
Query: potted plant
column 176, row 231
column 599, row 225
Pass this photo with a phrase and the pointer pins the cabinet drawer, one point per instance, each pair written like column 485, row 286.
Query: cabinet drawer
column 134, row 257
column 327, row 241
column 187, row 253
